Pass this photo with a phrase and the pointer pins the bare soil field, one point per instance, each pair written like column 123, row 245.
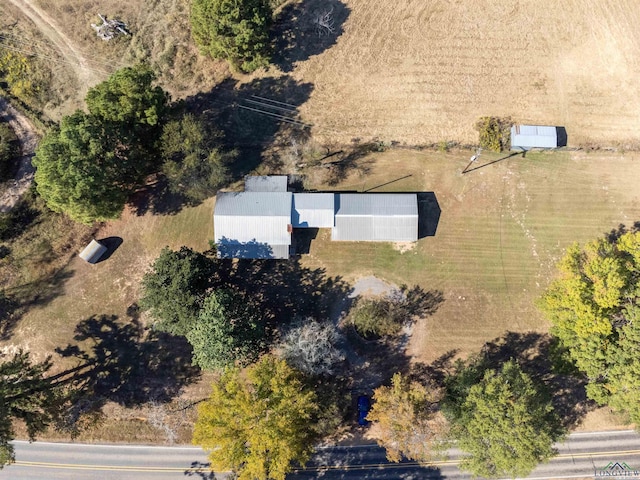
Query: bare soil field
column 423, row 72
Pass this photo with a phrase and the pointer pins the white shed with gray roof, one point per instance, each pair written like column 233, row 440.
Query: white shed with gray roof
column 253, row 224
column 376, row 217
column 93, row 252
column 312, row 210
column 533, row 136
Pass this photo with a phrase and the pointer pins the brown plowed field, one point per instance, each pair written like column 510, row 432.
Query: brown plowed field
column 420, row 71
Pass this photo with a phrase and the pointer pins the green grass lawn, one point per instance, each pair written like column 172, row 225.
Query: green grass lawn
column 501, row 230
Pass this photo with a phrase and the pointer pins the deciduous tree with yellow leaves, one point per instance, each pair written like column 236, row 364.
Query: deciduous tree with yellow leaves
column 258, row 422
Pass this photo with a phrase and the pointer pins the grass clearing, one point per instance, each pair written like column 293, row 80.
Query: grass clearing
column 502, row 228
column 111, row 286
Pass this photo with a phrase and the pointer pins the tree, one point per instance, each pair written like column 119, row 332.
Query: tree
column 129, row 98
column 506, row 425
column 173, row 291
column 80, row 171
column 310, row 347
column 228, row 330
column 26, row 395
column 8, row 149
column 406, row 421
column 193, row 162
column 257, row 425
column 88, row 165
column 495, row 133
column 593, row 307
column 233, row 30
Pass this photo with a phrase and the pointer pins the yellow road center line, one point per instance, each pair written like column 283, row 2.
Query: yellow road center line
column 135, row 468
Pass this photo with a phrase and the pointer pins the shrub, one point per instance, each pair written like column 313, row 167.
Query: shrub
column 495, row 133
column 372, row 317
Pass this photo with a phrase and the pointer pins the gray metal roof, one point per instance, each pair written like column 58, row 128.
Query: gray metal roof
column 379, row 204
column 92, row 252
column 253, row 204
column 252, row 218
column 533, row 136
column 270, row 183
column 376, row 217
column 312, row 210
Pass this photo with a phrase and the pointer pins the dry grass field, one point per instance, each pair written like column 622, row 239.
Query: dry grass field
column 410, row 71
column 423, row 72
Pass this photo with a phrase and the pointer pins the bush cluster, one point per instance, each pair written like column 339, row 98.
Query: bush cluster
column 495, row 133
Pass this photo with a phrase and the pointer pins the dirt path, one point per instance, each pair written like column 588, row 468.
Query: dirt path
column 26, row 133
column 87, row 75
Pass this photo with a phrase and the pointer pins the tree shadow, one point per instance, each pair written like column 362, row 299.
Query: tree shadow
column 342, row 163
column 542, row 358
column 251, row 114
column 284, row 289
column 373, row 362
column 307, row 28
column 361, row 463
column 614, row 235
column 231, row 248
column 200, row 470
column 120, row 362
column 15, row 301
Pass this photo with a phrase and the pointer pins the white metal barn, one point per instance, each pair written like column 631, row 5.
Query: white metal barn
column 259, row 222
column 525, row 137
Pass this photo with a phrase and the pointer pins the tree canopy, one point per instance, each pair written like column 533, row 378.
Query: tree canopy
column 233, row 30
column 506, row 425
column 193, row 162
column 228, row 330
column 128, row 97
column 257, row 425
column 89, row 164
column 25, row 394
column 79, row 170
column 406, row 421
column 593, row 307
column 173, row 291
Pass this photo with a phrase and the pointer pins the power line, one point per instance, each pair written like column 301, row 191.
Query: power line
column 275, row 115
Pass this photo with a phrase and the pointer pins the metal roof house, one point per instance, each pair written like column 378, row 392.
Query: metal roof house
column 258, row 223
column 253, row 224
column 525, row 137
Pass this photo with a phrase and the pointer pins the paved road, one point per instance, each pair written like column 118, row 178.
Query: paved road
column 579, row 457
